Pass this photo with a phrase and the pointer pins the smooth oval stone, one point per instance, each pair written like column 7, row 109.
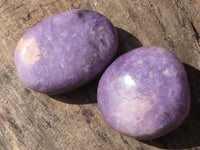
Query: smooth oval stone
column 144, row 93
column 65, row 51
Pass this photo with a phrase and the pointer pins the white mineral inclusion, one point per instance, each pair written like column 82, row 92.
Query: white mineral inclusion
column 129, row 81
column 64, row 34
column 167, row 73
column 29, row 50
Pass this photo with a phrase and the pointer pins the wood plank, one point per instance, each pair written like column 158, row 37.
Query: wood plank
column 29, row 120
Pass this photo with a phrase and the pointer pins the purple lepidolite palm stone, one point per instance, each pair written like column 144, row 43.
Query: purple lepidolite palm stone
column 144, row 93
column 65, row 51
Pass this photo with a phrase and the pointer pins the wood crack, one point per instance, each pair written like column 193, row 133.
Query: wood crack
column 196, row 34
column 163, row 29
column 157, row 18
column 19, row 6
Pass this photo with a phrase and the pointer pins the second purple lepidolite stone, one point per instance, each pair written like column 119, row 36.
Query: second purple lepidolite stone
column 65, row 51
column 144, row 93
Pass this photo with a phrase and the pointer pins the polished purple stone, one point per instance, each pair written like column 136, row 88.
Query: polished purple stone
column 65, row 51
column 144, row 93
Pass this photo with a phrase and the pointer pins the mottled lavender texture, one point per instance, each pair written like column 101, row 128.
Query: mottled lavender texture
column 65, row 51
column 144, row 93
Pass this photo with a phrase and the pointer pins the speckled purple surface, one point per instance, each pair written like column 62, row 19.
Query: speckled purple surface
column 144, row 93
column 65, row 51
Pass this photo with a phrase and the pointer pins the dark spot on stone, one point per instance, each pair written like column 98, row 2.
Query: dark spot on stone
column 124, row 140
column 14, row 125
column 103, row 42
column 93, row 46
column 96, row 24
column 80, row 15
column 167, row 114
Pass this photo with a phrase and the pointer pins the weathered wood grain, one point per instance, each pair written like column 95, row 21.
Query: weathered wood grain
column 29, row 120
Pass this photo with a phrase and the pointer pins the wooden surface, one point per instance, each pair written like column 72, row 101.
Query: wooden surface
column 33, row 121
